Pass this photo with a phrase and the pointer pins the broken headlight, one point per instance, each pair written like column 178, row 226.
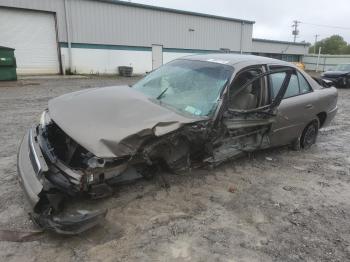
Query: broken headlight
column 45, row 119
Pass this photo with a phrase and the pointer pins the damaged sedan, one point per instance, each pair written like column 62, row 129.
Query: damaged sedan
column 338, row 76
column 195, row 111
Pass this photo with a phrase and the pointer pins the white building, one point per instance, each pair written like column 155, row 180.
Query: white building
column 287, row 51
column 91, row 36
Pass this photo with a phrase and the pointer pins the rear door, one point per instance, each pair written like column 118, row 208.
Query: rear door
column 295, row 110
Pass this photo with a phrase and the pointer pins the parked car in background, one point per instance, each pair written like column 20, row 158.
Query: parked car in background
column 339, row 75
column 198, row 110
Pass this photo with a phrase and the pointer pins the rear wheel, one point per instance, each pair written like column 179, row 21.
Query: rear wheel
column 309, row 135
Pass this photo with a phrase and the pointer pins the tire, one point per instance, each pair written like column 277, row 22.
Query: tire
column 309, row 135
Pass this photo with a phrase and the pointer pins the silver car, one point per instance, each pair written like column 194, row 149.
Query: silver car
column 198, row 110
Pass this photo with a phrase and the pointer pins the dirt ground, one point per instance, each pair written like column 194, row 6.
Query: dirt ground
column 275, row 205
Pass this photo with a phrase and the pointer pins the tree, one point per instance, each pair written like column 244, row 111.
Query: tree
column 346, row 50
column 334, row 45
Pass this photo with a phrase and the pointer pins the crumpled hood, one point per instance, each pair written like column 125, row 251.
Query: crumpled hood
column 112, row 121
column 334, row 73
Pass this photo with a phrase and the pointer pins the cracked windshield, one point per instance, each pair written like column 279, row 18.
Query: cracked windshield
column 188, row 86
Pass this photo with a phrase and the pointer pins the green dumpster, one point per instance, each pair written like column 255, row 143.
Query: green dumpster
column 7, row 64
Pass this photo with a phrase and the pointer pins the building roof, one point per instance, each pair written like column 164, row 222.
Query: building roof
column 171, row 10
column 280, row 42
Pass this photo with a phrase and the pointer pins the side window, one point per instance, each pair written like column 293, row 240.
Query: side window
column 276, row 83
column 297, row 84
column 304, row 85
column 254, row 95
column 293, row 87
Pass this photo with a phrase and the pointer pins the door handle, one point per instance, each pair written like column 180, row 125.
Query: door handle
column 309, row 106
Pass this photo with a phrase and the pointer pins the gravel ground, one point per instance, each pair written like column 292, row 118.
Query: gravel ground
column 275, row 205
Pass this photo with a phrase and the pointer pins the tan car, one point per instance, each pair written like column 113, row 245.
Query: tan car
column 193, row 111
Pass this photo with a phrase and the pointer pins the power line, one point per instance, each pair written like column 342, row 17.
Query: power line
column 329, row 26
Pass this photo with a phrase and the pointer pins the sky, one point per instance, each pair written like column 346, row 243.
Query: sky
column 274, row 18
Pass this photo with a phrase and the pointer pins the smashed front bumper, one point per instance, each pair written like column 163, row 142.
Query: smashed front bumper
column 44, row 196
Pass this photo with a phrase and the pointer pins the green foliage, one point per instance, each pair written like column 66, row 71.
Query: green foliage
column 334, row 45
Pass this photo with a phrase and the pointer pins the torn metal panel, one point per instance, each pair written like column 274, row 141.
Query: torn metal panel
column 42, row 188
column 70, row 224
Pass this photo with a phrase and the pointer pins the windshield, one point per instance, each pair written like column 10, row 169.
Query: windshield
column 344, row 67
column 188, row 86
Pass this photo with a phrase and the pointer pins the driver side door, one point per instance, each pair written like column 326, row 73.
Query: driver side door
column 248, row 114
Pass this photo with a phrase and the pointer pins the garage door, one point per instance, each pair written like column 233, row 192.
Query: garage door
column 33, row 35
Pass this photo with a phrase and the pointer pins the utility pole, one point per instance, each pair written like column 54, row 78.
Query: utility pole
column 318, row 58
column 295, row 31
column 316, row 36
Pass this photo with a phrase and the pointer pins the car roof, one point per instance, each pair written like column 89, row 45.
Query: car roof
column 234, row 59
